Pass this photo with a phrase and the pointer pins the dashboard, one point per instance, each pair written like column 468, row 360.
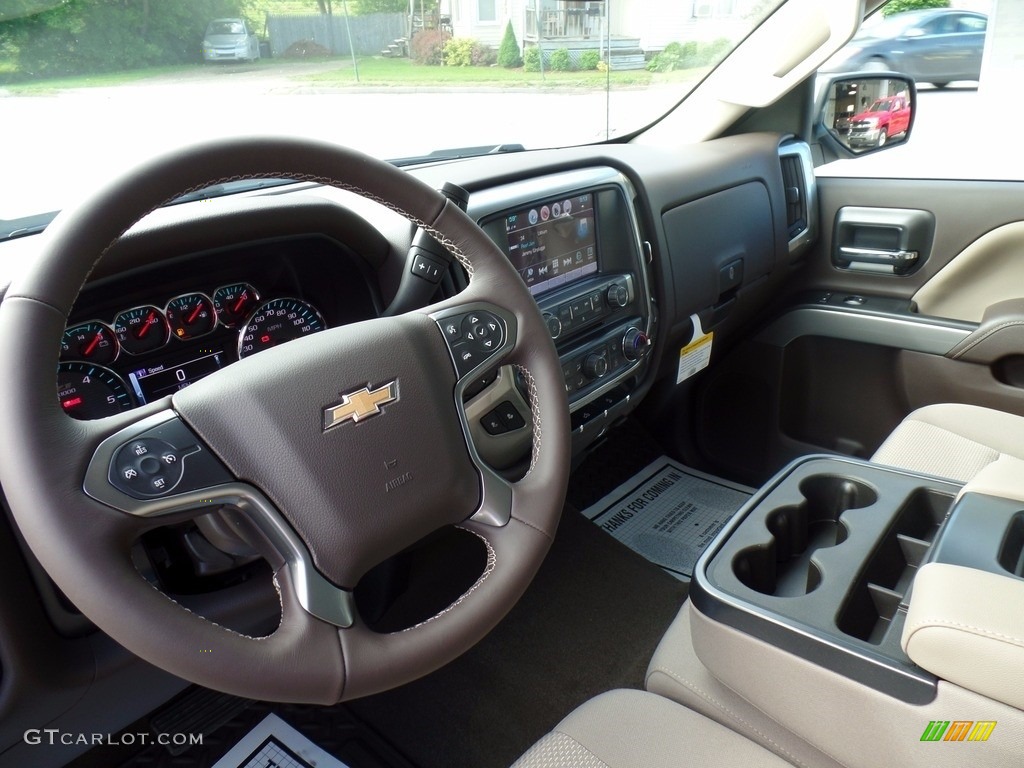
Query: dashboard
column 644, row 244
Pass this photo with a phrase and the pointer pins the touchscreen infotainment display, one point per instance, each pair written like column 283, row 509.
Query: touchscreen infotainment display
column 553, row 243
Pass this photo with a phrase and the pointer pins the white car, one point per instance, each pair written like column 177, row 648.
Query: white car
column 230, row 40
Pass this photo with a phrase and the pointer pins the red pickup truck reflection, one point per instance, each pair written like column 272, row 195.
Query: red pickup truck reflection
column 885, row 118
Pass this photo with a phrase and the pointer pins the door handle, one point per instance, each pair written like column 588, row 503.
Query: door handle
column 900, row 261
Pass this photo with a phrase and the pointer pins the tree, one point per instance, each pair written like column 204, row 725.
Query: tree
column 508, row 53
column 898, row 6
column 83, row 36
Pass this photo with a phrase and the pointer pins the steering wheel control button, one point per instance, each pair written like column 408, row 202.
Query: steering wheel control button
column 472, row 338
column 426, row 267
column 165, row 459
column 138, row 471
column 492, row 423
column 509, row 416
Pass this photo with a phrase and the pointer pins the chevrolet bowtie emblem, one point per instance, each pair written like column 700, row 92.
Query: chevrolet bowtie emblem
column 359, row 405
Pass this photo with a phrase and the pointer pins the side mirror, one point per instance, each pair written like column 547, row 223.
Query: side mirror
column 860, row 113
column 914, row 32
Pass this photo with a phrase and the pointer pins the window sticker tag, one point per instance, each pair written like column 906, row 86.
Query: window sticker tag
column 696, row 355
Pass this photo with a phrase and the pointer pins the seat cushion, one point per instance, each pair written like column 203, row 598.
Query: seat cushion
column 953, row 440
column 636, row 729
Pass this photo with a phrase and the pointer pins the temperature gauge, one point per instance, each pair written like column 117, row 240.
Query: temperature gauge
column 93, row 341
column 141, row 330
column 234, row 303
column 191, row 316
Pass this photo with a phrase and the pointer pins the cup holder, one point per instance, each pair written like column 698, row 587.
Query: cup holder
column 783, row 566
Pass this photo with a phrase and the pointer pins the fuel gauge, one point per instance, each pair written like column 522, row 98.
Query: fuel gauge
column 191, row 316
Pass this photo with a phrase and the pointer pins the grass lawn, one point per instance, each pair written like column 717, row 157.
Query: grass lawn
column 380, row 71
column 338, row 72
column 15, row 83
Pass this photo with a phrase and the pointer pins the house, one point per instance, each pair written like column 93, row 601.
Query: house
column 628, row 28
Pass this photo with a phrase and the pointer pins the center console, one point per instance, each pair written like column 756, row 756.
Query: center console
column 820, row 563
column 574, row 239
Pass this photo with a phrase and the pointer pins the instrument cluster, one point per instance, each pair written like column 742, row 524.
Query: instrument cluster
column 151, row 346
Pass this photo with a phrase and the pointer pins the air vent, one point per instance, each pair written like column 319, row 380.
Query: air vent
column 800, row 190
column 796, row 195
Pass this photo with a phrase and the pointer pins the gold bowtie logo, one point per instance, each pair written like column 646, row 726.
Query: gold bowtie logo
column 359, row 405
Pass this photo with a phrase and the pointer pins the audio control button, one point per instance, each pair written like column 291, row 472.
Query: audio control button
column 554, row 325
column 617, row 295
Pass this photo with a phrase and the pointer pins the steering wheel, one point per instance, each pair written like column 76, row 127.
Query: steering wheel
column 335, row 451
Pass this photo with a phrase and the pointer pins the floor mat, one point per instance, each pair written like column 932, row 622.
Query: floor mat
column 669, row 513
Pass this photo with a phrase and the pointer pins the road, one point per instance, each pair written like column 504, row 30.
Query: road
column 77, row 138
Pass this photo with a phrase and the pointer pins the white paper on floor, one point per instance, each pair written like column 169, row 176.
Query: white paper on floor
column 669, row 513
column 275, row 744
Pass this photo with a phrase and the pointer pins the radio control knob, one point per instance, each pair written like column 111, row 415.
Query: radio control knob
column 595, row 366
column 617, row 295
column 635, row 344
column 554, row 325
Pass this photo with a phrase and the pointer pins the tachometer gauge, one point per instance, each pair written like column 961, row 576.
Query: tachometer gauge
column 277, row 321
column 87, row 391
column 93, row 341
column 191, row 315
column 141, row 330
column 234, row 303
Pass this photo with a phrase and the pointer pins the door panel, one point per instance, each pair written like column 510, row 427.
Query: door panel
column 838, row 376
column 987, row 271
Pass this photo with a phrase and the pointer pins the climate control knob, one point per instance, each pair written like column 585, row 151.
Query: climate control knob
column 635, row 344
column 554, row 325
column 617, row 295
column 595, row 366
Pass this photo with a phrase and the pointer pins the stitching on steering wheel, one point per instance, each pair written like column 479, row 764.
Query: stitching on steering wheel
column 531, row 389
column 492, row 561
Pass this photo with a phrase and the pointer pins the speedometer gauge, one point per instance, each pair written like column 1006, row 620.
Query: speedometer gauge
column 87, row 391
column 277, row 321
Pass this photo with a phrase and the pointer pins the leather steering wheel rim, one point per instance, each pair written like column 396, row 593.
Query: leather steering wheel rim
column 83, row 542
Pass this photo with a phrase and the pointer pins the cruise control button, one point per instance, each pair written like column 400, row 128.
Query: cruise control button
column 151, row 465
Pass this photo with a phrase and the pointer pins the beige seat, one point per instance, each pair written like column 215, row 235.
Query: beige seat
column 953, row 440
column 636, row 729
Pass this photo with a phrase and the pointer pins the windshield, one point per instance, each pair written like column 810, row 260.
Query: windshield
column 225, row 28
column 886, row 105
column 91, row 86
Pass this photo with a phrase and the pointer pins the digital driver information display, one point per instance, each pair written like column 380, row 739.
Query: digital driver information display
column 153, row 383
column 554, row 243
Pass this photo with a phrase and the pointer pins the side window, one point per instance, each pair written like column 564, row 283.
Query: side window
column 971, row 24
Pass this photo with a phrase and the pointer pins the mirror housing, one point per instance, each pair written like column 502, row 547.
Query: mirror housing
column 863, row 112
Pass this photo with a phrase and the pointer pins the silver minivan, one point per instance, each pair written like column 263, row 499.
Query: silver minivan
column 230, row 40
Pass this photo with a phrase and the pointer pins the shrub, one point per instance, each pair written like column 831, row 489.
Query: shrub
column 508, row 53
column 427, row 46
column 688, row 55
column 483, row 55
column 589, row 59
column 531, row 60
column 602, row 66
column 560, row 61
column 898, row 6
column 458, row 52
